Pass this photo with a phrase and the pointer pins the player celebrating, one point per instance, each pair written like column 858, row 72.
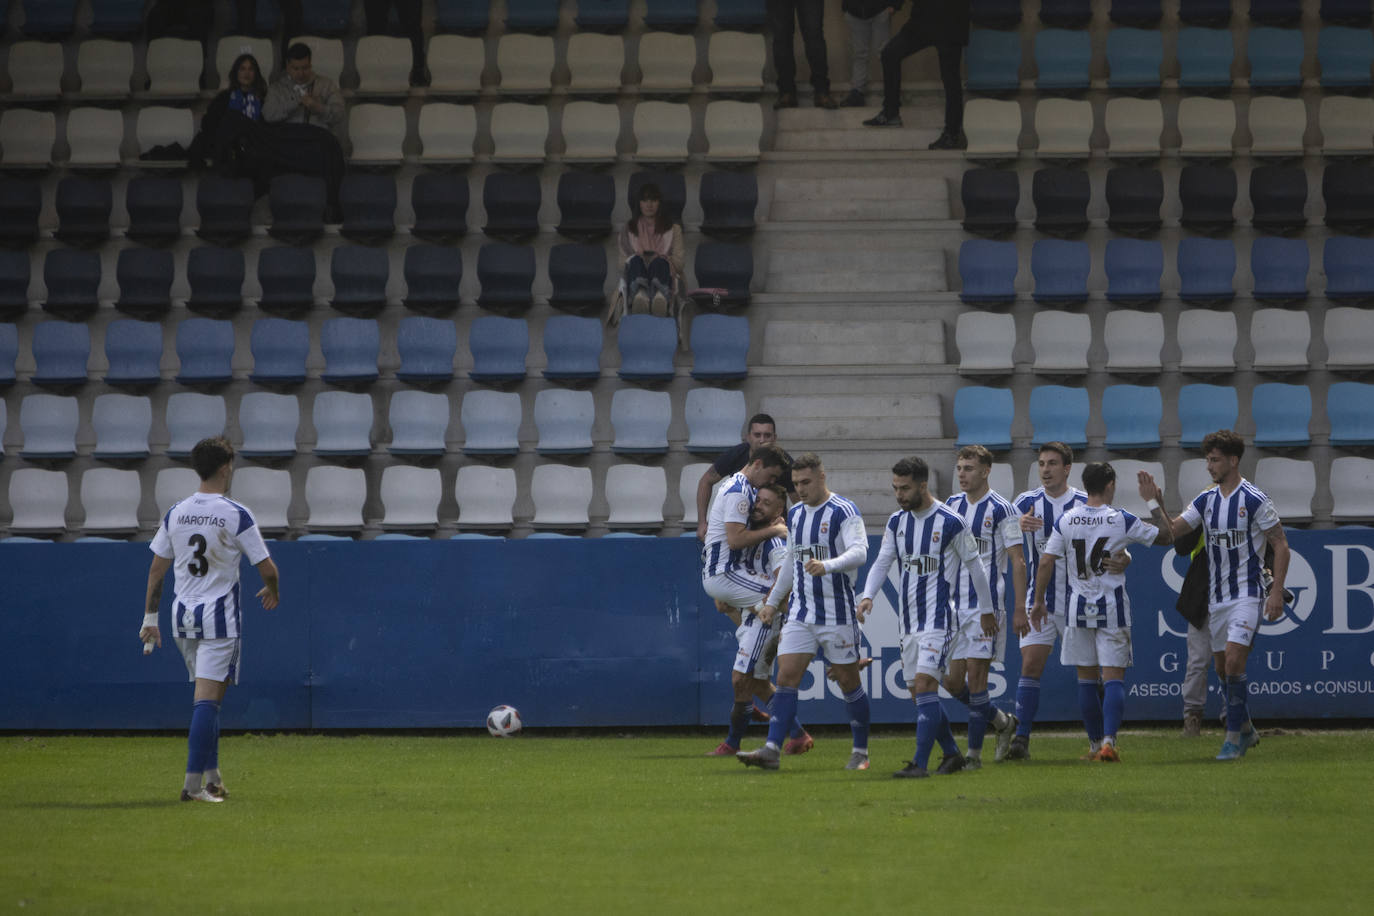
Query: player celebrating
column 1097, row 632
column 1238, row 519
column 760, row 430
column 202, row 537
column 932, row 544
column 728, row 533
column 980, row 626
column 826, row 545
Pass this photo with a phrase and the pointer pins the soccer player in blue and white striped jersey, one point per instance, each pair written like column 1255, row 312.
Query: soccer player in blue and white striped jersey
column 826, row 543
column 933, row 548
column 728, row 533
column 201, row 539
column 1097, row 620
column 1238, row 521
column 980, row 631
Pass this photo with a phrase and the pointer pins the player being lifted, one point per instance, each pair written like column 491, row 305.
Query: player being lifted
column 1097, row 632
column 201, row 538
column 931, row 545
column 1238, row 520
column 826, row 544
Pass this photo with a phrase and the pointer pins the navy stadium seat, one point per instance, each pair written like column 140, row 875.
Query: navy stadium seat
column 1280, row 268
column 50, row 20
column 585, row 202
column 368, row 203
column 1208, row 197
column 728, row 201
column 325, row 17
column 1061, row 200
column 1060, row 269
column 1134, row 267
column 982, row 416
column 1062, row 58
column 1347, row 12
column 1278, row 195
column 996, row 14
column 83, row 210
column 1349, row 266
column 154, row 206
column 1206, row 270
column 512, row 205
column 603, row 15
column 21, row 201
column 506, row 275
column 121, row 19
column 572, row 348
column 1282, row 415
column 1348, row 192
column 145, row 282
column 297, row 203
column 578, row 274
column 1203, row 409
column 205, row 348
column 1136, row 12
column 433, row 274
column 287, row 278
column 61, row 350
column 9, row 352
column 531, row 15
column 1204, row 58
column 1350, row 408
column 728, row 266
column 440, row 202
column 987, row 270
column 1210, row 13
column 1066, row 14
column 994, row 60
column 1276, row 12
column 741, row 14
column 461, row 15
column 647, row 344
column 216, row 278
column 225, row 206
column 720, row 347
column 73, row 281
column 1132, row 414
column 1134, row 57
column 359, row 276
column 499, row 347
column 1345, row 55
column 1134, row 198
column 350, row 347
column 671, row 185
column 1059, row 414
column 671, row 15
column 15, row 269
column 280, row 348
column 990, row 197
column 427, row 347
column 1275, row 58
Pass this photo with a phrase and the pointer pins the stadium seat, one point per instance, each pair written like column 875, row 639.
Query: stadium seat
column 736, row 60
column 1063, row 127
column 1345, row 124
column 266, row 493
column 1067, row 14
column 38, row 499
column 162, row 126
column 410, row 497
column 1291, row 483
column 506, row 276
column 1350, row 408
column 72, row 279
column 1348, row 192
column 133, row 350
column 499, row 347
column 720, row 347
column 447, row 133
column 1062, row 59
column 376, row 134
column 297, row 203
column 1352, row 488
column 368, row 203
column 175, row 484
column 491, row 422
column 287, row 278
column 1134, row 127
column 1279, row 267
column 640, row 419
column 1134, row 267
column 21, row 202
column 1276, row 12
column 687, row 492
column 94, row 136
column 145, row 282
column 122, row 423
column 1061, row 341
column 48, row 423
column 996, row 14
column 985, row 341
column 561, row 494
column 585, row 202
column 578, row 275
column 1206, row 127
column 1061, row 200
column 636, row 495
column 433, row 275
column 525, row 63
column 994, row 61
column 216, row 279
column 982, row 416
column 1059, row 414
column 604, row 15
column 1132, row 414
column 419, row 423
column 1203, row 409
column 35, row 71
column 1204, row 58
column 728, row 266
column 1135, row 196
column 728, row 201
column 280, row 348
column 334, row 497
column 1136, row 12
column 461, row 15
column 14, row 284
column 455, row 64
column 154, row 207
column 1208, row 197
column 987, row 270
column 661, row 131
column 326, row 17
column 83, row 210
column 733, row 131
column 343, row 424
column 671, row 15
column 1349, row 338
column 1345, row 55
column 225, row 206
column 1279, row 197
column 1206, row 270
column 647, row 344
column 532, row 15
column 512, row 203
column 1134, row 341
column 1061, row 270
column 350, row 347
column 359, row 275
column 383, row 63
column 714, row 419
column 440, row 202
column 564, row 420
column 1348, row 263
column 591, row 132
column 1193, row 477
column 1275, row 57
column 671, row 185
column 990, row 197
column 61, row 350
column 1282, row 414
column 1277, row 126
column 595, row 63
column 191, row 417
column 1127, row 491
column 427, row 347
column 1210, row 13
column 572, row 348
column 269, row 423
column 486, row 497
column 49, row 20
column 27, row 138
column 520, row 132
column 205, row 349
column 174, row 66
column 1207, row 340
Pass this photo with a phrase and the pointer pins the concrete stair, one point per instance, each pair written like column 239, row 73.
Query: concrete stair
column 835, row 342
column 801, row 199
column 818, row 130
column 846, row 268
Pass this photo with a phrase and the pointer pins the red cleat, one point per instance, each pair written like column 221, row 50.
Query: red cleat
column 724, row 750
column 760, row 714
column 798, row 745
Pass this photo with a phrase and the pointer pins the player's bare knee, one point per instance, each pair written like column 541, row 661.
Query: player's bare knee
column 742, row 685
column 977, row 676
column 847, row 676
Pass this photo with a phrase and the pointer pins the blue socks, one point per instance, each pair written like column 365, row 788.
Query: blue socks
column 1113, row 707
column 1237, row 712
column 1027, row 704
column 857, row 705
column 784, row 711
column 1091, row 706
column 928, row 718
column 794, row 730
column 200, row 742
column 979, row 710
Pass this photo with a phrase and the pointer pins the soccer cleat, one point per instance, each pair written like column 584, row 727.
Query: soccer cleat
column 759, row 714
column 1019, row 749
column 799, row 745
column 723, row 750
column 199, row 795
column 1093, row 748
column 883, row 119
column 765, row 758
column 911, row 771
column 1230, row 751
column 1192, row 725
column 858, row 760
column 1249, row 739
column 973, row 763
column 1004, row 738
column 1107, row 754
column 951, row 763
column 217, row 789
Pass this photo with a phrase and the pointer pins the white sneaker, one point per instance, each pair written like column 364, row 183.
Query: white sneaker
column 659, row 305
column 857, row 761
column 200, row 795
column 640, row 302
column 1004, row 738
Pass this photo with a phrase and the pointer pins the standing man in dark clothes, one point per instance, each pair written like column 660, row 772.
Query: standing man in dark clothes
column 784, row 16
column 943, row 25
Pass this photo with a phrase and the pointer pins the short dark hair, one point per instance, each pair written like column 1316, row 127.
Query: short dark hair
column 761, row 418
column 914, row 467
column 1226, row 441
column 1097, row 475
column 808, row 461
column 770, row 455
column 209, row 455
column 978, row 453
column 298, row 51
column 777, row 490
column 1062, row 449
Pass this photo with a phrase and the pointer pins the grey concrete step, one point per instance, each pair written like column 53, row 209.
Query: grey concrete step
column 859, row 199
column 842, row 269
column 875, row 416
column 820, row 130
column 844, row 343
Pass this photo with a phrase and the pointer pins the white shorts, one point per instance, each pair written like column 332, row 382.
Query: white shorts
column 1234, row 621
column 969, row 641
column 758, row 647
column 840, row 641
column 1109, row 647
column 737, row 589
column 212, row 659
column 1051, row 628
column 925, row 653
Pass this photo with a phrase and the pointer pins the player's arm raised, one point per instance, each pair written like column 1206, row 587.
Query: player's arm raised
column 1151, row 493
column 152, row 600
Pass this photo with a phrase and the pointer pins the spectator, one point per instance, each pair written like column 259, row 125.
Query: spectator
column 870, row 25
column 246, row 93
column 944, row 25
column 654, row 257
column 408, row 12
column 784, row 17
column 300, row 96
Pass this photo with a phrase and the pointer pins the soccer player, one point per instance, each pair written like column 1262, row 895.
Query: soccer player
column 760, row 430
column 1097, row 631
column 751, row 676
column 201, row 538
column 932, row 546
column 826, row 544
column 980, row 626
column 728, row 533
column 1238, row 520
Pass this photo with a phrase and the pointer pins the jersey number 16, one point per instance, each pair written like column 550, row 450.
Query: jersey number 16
column 1092, row 563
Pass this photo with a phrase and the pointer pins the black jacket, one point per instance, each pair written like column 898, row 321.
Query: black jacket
column 946, row 22
column 867, row 9
column 1192, row 595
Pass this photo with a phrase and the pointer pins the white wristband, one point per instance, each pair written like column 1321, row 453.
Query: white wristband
column 149, row 620
column 1152, row 504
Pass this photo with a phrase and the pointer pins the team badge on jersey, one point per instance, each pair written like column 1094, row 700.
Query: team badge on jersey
column 744, row 506
column 935, row 537
column 1241, row 512
column 825, row 526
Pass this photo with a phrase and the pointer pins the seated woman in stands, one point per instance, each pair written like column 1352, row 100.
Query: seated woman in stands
column 246, row 93
column 654, row 257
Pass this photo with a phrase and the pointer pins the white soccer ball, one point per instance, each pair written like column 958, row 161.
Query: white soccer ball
column 504, row 722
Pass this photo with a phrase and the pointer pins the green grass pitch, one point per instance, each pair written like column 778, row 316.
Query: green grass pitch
column 645, row 824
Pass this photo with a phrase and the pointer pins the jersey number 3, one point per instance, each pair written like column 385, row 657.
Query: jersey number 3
column 1090, row 564
column 199, row 565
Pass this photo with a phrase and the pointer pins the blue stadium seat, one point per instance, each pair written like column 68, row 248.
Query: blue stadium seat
column 1135, row 196
column 1132, row 414
column 343, row 423
column 640, row 419
column 21, row 201
column 1276, row 12
column 671, row 15
column 572, row 348
column 603, row 15
column 1349, row 266
column 994, row 60
column 1061, row 200
column 461, row 15
column 50, row 20
column 741, row 14
column 1345, row 55
column 145, row 282
column 1278, row 195
column 506, row 276
column 1346, row 12
column 647, row 344
column 433, row 275
column 728, row 266
column 325, row 17
column 83, row 210
column 287, row 278
column 121, row 423
column 1208, row 196
column 1350, row 408
column 9, row 352
column 499, row 347
column 564, row 420
column 578, row 274
column 1066, row 14
column 205, row 348
column 720, row 347
column 61, row 350
column 714, row 418
column 73, row 281
column 225, row 206
column 982, row 416
column 1204, row 58
column 440, row 201
column 280, row 348
column 15, row 269
column 154, row 206
column 419, row 423
column 1203, row 409
column 671, row 185
column 427, row 347
column 996, row 14
column 1058, row 413
column 491, row 423
column 48, row 423
column 121, row 19
column 350, row 347
column 297, row 203
column 368, row 203
column 1134, row 267
column 987, row 270
column 728, row 201
column 990, row 197
column 216, row 278
column 1061, row 269
column 134, row 351
column 1282, row 414
column 191, row 417
column 1280, row 268
column 1275, row 58
column 269, row 423
column 512, row 203
column 1136, row 12
column 531, row 15
column 1134, row 57
column 585, row 202
column 1206, row 270
column 359, row 275
column 1348, row 192
column 1062, row 58
column 1210, row 13
column 263, row 21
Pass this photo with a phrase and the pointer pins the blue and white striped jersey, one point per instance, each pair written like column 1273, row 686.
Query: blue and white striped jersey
column 203, row 536
column 733, row 502
column 995, row 526
column 932, row 549
column 828, row 533
column 763, row 559
column 1086, row 537
column 1234, row 537
column 1049, row 509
